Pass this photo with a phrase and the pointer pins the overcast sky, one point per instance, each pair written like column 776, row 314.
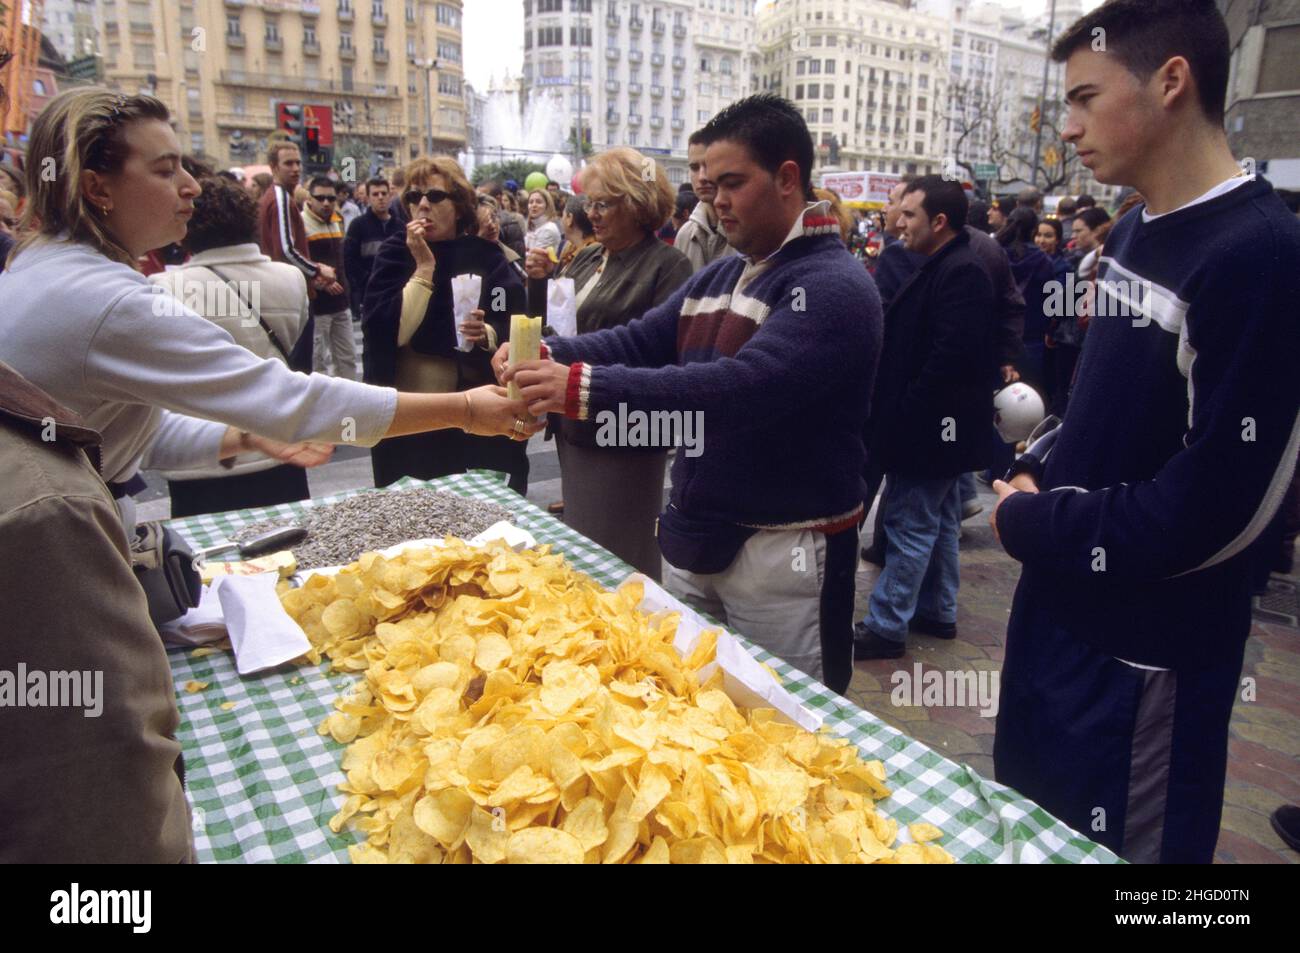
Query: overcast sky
column 494, row 37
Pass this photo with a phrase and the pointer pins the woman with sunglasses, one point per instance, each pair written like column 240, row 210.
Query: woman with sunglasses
column 614, row 494
column 165, row 387
column 410, row 330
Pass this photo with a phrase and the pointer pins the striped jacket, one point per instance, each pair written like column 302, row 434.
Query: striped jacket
column 774, row 360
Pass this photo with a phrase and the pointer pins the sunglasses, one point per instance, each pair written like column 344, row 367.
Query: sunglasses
column 324, row 198
column 413, row 196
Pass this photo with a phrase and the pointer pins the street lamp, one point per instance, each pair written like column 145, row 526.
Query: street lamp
column 430, row 67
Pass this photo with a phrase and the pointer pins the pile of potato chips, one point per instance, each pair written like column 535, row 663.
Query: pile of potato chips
column 514, row 710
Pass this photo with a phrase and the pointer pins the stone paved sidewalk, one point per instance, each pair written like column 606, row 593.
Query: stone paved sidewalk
column 1264, row 751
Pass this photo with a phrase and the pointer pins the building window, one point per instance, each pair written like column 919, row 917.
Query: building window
column 550, row 36
column 345, row 40
column 798, row 91
column 800, row 68
column 232, row 24
column 1279, row 64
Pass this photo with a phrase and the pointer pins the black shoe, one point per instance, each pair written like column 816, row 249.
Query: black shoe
column 1286, row 821
column 873, row 555
column 932, row 627
column 867, row 644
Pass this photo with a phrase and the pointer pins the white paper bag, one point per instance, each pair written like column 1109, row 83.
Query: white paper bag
column 261, row 632
column 562, row 307
column 465, row 291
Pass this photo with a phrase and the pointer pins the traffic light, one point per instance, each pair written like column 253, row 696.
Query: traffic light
column 289, row 118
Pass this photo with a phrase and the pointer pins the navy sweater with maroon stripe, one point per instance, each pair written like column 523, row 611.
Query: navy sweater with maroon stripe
column 1181, row 438
column 781, row 371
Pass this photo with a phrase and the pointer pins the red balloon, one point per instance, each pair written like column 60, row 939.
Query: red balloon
column 576, row 183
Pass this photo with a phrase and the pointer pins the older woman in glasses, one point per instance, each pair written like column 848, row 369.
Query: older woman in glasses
column 410, row 331
column 613, row 494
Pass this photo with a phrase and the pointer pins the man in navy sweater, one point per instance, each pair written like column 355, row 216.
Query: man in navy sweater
column 1125, row 643
column 364, row 236
column 775, row 349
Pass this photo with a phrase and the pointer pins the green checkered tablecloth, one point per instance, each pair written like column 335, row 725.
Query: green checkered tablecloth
column 264, row 784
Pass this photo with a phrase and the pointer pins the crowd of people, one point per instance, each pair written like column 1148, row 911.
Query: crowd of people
column 738, row 298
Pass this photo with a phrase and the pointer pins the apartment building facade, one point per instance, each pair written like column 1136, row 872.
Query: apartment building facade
column 385, row 67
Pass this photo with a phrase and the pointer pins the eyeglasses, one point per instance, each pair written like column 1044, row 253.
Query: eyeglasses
column 324, row 198
column 413, row 196
column 600, row 206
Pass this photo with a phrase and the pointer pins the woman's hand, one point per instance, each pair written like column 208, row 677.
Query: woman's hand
column 499, row 361
column 490, row 413
column 419, row 249
column 305, row 454
column 473, row 328
column 538, row 264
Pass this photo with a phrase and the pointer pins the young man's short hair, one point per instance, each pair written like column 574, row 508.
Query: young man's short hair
column 696, row 138
column 273, row 152
column 940, row 196
column 771, row 128
column 1146, row 34
column 375, row 183
column 1085, row 201
column 318, row 180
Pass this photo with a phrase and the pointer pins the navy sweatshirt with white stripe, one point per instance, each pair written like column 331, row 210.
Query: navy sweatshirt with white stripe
column 1180, row 440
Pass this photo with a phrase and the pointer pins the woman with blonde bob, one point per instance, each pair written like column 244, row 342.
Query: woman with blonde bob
column 165, row 387
column 410, row 328
column 613, row 494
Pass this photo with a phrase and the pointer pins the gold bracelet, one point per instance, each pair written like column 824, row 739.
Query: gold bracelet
column 469, row 412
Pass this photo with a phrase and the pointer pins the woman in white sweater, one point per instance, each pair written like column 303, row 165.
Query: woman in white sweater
column 168, row 390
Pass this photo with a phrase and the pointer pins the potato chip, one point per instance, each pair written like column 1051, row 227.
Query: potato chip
column 543, row 845
column 509, row 709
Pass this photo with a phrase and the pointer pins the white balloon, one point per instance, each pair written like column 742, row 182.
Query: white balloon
column 559, row 169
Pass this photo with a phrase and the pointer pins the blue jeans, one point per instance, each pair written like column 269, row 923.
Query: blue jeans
column 922, row 521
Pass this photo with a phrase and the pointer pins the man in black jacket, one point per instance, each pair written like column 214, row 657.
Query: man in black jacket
column 930, row 418
column 364, row 236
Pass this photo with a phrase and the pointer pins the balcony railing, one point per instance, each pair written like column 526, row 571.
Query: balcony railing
column 679, row 92
column 347, row 52
column 310, row 48
column 679, row 62
column 379, row 19
column 611, row 53
column 246, row 120
column 345, row 13
column 634, row 89
column 634, row 119
column 381, row 56
column 611, row 85
column 634, row 56
column 657, row 91
column 274, row 44
column 656, row 59
column 679, row 30
column 656, row 122
column 311, row 84
column 636, row 23
column 658, row 27
column 612, row 19
column 235, row 41
column 679, row 124
column 612, row 119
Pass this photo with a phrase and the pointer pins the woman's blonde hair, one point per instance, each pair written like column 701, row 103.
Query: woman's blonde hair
column 627, row 174
column 842, row 214
column 419, row 175
column 549, row 213
column 83, row 128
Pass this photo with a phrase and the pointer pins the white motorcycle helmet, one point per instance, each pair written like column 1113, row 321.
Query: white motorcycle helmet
column 1017, row 410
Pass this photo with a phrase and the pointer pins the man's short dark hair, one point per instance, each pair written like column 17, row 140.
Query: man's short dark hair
column 1028, row 198
column 318, row 180
column 224, row 214
column 1066, row 207
column 1085, row 201
column 1146, row 34
column 696, row 138
column 376, row 182
column 940, row 196
column 1093, row 217
column 771, row 128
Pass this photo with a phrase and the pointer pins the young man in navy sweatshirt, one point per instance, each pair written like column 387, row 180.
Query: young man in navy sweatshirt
column 1125, row 643
column 775, row 348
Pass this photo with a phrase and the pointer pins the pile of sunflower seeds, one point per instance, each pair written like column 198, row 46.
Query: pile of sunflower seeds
column 338, row 533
